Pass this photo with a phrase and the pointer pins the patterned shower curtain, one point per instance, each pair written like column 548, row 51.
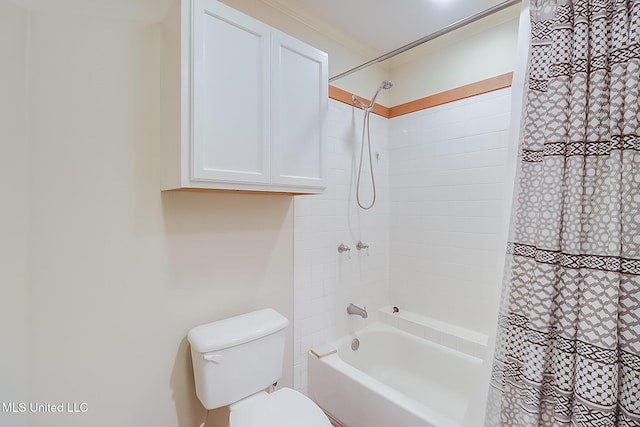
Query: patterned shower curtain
column 568, row 343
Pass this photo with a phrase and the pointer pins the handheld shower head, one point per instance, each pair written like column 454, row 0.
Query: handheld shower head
column 386, row 84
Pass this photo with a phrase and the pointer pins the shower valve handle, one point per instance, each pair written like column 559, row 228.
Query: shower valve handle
column 343, row 248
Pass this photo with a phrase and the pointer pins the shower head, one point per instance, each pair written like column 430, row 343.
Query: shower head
column 387, row 84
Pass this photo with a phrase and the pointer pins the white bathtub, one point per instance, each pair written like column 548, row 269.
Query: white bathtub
column 393, row 379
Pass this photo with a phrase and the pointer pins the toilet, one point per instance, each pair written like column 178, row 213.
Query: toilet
column 236, row 360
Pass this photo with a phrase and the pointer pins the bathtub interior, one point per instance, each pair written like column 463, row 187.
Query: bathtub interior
column 431, row 375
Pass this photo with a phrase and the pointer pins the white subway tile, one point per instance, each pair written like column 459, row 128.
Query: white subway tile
column 424, row 174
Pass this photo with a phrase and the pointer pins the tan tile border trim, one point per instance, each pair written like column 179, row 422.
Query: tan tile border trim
column 488, row 85
column 344, row 96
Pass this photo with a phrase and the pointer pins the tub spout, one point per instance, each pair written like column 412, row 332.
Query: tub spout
column 358, row 311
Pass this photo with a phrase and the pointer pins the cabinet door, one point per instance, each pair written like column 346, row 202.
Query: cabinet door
column 230, row 92
column 299, row 113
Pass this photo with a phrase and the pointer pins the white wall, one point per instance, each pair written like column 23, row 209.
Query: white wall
column 14, row 212
column 479, row 51
column 325, row 280
column 118, row 272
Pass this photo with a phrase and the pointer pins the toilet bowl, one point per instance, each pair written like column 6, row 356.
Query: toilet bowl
column 236, row 360
column 282, row 408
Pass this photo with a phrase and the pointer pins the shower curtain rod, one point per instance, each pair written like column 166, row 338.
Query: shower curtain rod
column 451, row 27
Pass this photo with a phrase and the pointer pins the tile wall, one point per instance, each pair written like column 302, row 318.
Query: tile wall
column 449, row 186
column 325, row 282
column 435, row 235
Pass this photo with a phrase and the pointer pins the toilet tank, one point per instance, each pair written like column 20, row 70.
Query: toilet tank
column 236, row 357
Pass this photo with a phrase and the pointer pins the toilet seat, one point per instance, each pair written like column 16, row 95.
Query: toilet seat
column 282, row 408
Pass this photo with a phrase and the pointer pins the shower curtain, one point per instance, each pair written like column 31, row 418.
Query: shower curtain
column 568, row 342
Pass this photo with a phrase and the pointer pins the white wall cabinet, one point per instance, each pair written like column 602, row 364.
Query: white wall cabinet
column 244, row 106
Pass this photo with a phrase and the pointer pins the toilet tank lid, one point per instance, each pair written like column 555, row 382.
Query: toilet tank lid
column 236, row 330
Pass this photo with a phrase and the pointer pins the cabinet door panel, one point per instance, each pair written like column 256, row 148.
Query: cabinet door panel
column 231, row 126
column 299, row 109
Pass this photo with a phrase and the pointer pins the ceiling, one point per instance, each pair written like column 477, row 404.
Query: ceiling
column 371, row 27
column 383, row 25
